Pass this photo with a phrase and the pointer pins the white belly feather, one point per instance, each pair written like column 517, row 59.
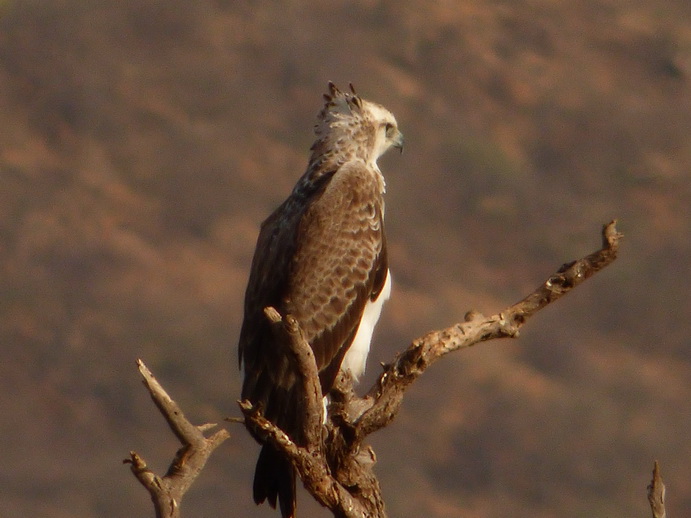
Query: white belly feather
column 356, row 357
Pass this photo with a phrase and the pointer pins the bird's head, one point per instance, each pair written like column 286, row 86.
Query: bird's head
column 353, row 126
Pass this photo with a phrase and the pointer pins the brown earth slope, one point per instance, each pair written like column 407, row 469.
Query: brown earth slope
column 142, row 143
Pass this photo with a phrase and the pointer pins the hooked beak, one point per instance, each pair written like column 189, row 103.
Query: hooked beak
column 398, row 142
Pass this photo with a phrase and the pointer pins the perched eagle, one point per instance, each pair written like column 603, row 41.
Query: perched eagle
column 320, row 257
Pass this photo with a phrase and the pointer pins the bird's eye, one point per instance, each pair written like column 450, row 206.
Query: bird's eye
column 389, row 129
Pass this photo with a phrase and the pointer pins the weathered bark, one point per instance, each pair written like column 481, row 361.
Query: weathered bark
column 656, row 494
column 167, row 491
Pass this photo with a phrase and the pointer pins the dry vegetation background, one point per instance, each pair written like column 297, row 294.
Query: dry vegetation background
column 142, row 142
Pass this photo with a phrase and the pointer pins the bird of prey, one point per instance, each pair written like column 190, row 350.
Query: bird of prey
column 320, row 257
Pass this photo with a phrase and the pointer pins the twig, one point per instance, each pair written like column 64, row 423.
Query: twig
column 656, row 494
column 167, row 491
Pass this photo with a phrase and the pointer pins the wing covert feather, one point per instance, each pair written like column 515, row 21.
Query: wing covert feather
column 339, row 256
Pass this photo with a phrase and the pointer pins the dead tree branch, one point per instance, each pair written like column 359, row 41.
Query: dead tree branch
column 338, row 471
column 310, row 460
column 384, row 398
column 288, row 331
column 167, row 491
column 656, row 494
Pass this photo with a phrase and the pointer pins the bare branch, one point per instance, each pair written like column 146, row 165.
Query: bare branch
column 384, row 398
column 167, row 491
column 309, row 460
column 311, row 466
column 287, row 332
column 656, row 494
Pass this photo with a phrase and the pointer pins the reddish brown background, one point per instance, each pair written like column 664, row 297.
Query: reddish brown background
column 142, row 142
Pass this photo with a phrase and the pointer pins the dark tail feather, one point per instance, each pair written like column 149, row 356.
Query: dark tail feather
column 274, row 479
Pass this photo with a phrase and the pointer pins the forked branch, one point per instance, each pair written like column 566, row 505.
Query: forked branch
column 167, row 491
column 310, row 461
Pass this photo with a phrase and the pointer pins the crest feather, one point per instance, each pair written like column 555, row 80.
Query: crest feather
column 346, row 129
column 336, row 98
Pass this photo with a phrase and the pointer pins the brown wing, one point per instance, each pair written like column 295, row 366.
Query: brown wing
column 319, row 260
column 339, row 256
column 267, row 285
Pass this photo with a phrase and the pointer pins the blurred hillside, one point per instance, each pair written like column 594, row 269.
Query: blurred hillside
column 143, row 142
